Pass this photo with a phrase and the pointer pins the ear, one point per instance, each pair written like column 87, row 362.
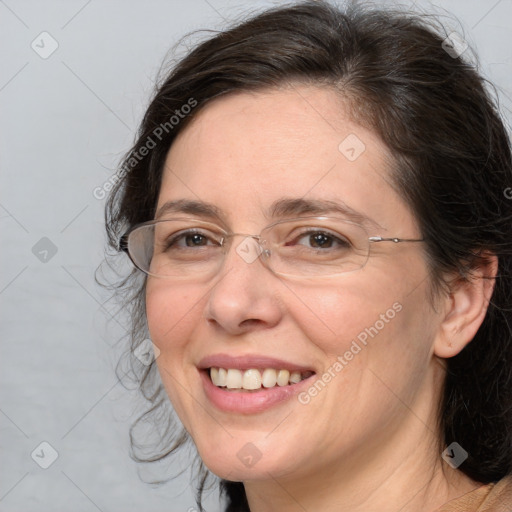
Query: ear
column 465, row 307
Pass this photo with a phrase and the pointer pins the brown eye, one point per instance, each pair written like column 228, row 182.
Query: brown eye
column 195, row 240
column 186, row 239
column 321, row 240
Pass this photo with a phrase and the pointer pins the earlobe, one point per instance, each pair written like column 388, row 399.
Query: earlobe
column 465, row 308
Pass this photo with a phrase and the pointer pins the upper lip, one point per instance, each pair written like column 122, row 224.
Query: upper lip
column 249, row 361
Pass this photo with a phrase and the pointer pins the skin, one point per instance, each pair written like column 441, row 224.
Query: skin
column 369, row 440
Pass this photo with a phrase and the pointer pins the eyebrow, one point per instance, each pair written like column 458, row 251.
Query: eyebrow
column 280, row 209
column 298, row 207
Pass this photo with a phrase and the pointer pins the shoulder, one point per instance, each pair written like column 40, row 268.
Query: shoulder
column 495, row 497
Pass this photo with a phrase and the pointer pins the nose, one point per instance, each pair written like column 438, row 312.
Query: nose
column 245, row 297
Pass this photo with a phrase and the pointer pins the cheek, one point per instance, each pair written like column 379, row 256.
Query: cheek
column 333, row 317
column 375, row 345
column 362, row 331
column 171, row 312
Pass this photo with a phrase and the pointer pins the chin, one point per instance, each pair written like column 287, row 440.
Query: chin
column 241, row 459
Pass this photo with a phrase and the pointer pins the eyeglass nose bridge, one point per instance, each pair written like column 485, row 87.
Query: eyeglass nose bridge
column 250, row 249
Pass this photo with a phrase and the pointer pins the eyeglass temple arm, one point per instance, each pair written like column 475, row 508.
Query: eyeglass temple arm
column 395, row 240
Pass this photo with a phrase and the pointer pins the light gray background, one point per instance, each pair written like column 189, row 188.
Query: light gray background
column 65, row 122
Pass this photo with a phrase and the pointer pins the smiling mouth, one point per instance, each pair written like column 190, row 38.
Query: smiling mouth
column 252, row 379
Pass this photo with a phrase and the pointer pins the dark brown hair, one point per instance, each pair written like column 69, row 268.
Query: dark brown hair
column 452, row 166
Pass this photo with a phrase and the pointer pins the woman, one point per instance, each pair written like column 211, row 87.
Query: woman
column 317, row 202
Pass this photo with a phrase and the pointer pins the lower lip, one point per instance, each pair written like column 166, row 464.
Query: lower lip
column 250, row 402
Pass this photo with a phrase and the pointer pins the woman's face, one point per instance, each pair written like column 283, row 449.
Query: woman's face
column 367, row 335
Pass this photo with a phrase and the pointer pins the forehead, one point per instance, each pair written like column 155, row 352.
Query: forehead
column 245, row 151
column 271, row 128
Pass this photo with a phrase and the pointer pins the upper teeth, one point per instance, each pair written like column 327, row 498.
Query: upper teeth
column 253, row 379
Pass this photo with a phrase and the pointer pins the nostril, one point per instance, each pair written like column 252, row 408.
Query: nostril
column 250, row 322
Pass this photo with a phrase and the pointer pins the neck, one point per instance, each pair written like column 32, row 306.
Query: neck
column 416, row 484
